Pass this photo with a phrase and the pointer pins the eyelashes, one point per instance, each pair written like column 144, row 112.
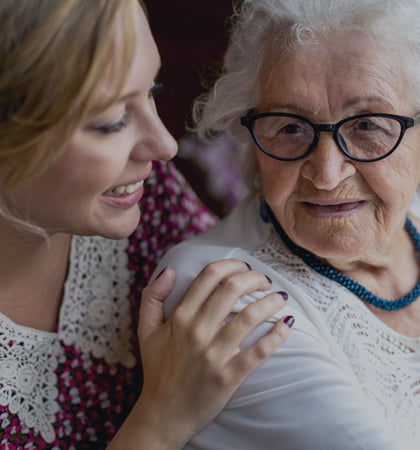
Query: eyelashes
column 113, row 127
column 118, row 126
column 155, row 89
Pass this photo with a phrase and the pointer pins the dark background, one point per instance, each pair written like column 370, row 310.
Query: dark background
column 191, row 36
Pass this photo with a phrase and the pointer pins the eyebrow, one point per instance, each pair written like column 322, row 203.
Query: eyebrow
column 288, row 107
column 132, row 94
column 367, row 99
column 100, row 108
column 355, row 101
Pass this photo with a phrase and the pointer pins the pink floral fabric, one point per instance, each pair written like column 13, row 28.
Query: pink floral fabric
column 93, row 396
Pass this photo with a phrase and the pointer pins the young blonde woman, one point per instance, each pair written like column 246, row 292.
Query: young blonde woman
column 79, row 133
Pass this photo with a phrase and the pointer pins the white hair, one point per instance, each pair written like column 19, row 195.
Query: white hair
column 260, row 26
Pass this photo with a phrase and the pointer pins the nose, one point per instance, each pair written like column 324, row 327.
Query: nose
column 153, row 140
column 327, row 166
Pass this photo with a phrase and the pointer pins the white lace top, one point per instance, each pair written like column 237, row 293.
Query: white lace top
column 386, row 363
column 73, row 388
column 90, row 319
column 343, row 381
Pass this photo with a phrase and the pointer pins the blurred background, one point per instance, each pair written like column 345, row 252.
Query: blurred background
column 192, row 36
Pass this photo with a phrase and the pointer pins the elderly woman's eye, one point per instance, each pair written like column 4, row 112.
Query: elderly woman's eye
column 367, row 125
column 291, row 128
column 279, row 128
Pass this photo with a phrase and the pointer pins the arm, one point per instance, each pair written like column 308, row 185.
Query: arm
column 298, row 399
column 192, row 362
column 303, row 395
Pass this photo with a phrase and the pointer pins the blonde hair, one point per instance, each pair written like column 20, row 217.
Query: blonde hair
column 52, row 56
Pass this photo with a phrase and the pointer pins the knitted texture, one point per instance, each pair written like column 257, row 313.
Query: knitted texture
column 385, row 362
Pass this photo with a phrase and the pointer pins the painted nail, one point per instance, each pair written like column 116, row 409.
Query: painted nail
column 289, row 321
column 285, row 295
column 269, row 279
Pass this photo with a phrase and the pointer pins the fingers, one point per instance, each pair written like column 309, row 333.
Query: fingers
column 208, row 279
column 151, row 307
column 193, row 361
column 242, row 323
column 247, row 360
column 219, row 305
column 218, row 286
column 225, row 345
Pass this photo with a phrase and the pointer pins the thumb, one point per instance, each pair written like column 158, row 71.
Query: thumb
column 152, row 298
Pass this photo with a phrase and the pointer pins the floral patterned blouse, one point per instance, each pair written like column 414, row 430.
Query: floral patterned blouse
column 72, row 389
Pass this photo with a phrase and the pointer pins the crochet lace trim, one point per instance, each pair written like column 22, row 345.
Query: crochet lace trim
column 94, row 317
column 28, row 359
column 386, row 363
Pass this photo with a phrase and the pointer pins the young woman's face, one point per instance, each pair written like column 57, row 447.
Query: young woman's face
column 95, row 186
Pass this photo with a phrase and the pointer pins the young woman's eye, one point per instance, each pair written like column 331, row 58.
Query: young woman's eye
column 112, row 127
column 155, row 89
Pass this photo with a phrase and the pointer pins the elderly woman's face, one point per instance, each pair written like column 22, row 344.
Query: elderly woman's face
column 339, row 209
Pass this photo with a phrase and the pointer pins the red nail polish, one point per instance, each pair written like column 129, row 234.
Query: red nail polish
column 285, row 295
column 248, row 265
column 289, row 321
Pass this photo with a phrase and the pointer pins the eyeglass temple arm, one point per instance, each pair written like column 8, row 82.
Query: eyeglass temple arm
column 416, row 119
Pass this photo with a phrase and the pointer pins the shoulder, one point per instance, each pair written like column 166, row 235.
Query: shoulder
column 302, row 397
column 242, row 228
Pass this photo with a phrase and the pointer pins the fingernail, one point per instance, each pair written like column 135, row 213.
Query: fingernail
column 285, row 295
column 248, row 265
column 269, row 279
column 289, row 321
column 161, row 272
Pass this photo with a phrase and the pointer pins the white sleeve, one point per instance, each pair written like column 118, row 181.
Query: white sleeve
column 299, row 399
column 303, row 397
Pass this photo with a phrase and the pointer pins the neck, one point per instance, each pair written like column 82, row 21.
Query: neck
column 406, row 286
column 32, row 275
column 394, row 257
column 391, row 271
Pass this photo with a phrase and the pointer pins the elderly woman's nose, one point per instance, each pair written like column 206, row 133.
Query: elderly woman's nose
column 327, row 166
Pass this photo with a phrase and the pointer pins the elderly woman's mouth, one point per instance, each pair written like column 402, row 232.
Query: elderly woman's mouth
column 333, row 208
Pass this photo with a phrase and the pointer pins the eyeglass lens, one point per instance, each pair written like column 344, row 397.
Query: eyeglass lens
column 362, row 138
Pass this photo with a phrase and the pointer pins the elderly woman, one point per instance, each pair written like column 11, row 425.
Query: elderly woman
column 325, row 97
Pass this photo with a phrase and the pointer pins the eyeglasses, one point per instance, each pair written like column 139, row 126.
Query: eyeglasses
column 364, row 137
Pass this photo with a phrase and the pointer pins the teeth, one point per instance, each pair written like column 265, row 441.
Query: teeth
column 131, row 188
column 122, row 190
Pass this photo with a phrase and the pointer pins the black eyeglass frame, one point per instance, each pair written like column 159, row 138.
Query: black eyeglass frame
column 248, row 121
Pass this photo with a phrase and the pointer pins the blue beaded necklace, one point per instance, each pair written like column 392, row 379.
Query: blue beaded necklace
column 326, row 270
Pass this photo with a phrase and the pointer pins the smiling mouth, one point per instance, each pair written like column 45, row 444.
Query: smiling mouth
column 119, row 191
column 333, row 208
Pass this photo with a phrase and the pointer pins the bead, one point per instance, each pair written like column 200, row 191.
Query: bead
column 333, row 274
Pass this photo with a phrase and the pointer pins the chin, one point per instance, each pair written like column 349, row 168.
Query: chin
column 119, row 228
